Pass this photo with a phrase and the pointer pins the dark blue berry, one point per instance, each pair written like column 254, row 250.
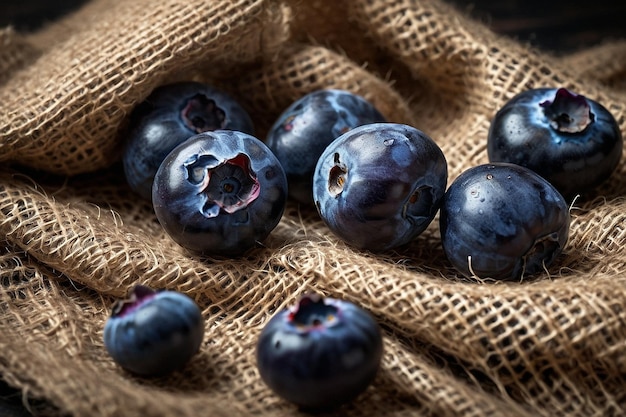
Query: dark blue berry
column 380, row 185
column 503, row 221
column 572, row 141
column 320, row 353
column 171, row 114
column 305, row 128
column 153, row 333
column 220, row 192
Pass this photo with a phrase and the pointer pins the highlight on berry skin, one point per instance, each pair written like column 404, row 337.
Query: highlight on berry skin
column 153, row 333
column 319, row 353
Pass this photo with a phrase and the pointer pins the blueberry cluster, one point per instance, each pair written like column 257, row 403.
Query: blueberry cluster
column 304, row 130
column 319, row 353
column 216, row 188
column 377, row 185
column 167, row 117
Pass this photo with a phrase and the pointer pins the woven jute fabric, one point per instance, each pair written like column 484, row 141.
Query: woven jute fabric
column 75, row 238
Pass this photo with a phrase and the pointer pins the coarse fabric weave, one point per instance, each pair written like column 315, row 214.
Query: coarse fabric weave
column 75, row 237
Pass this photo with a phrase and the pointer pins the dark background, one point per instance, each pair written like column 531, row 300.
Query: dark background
column 556, row 26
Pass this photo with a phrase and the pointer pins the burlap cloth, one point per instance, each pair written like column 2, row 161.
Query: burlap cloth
column 75, row 237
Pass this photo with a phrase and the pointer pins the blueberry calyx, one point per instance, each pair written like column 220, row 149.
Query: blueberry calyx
column 229, row 186
column 288, row 123
column 542, row 253
column 313, row 312
column 568, row 112
column 202, row 114
column 337, row 177
column 420, row 200
column 136, row 296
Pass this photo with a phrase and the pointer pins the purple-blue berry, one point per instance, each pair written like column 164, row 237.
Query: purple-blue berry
column 153, row 333
column 319, row 353
column 170, row 115
column 307, row 126
column 220, row 193
column 503, row 221
column 380, row 185
column 570, row 140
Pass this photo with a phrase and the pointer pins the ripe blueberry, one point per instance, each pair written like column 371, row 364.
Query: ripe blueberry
column 153, row 333
column 380, row 185
column 320, row 353
column 171, row 114
column 307, row 126
column 502, row 221
column 572, row 141
column 220, row 192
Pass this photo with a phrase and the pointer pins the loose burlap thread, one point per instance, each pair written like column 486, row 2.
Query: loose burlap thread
column 76, row 238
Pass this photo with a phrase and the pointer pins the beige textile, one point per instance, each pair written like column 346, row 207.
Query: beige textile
column 75, row 237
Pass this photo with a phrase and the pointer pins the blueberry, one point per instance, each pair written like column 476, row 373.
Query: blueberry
column 153, row 333
column 320, row 353
column 380, row 185
column 502, row 221
column 305, row 128
column 572, row 141
column 171, row 114
column 220, row 192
